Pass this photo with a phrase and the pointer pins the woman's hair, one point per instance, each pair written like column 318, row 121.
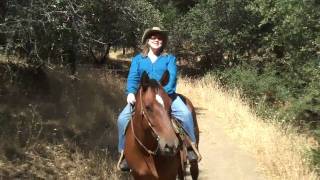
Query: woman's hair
column 145, row 47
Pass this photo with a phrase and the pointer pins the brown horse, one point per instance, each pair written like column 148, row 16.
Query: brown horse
column 152, row 146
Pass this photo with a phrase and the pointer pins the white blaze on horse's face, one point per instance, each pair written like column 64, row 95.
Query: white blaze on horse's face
column 159, row 99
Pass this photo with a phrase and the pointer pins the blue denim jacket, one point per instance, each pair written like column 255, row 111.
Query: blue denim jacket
column 155, row 71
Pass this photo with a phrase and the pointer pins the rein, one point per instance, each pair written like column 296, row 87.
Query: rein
column 145, row 115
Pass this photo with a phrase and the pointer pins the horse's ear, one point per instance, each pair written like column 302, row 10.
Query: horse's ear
column 165, row 78
column 144, row 79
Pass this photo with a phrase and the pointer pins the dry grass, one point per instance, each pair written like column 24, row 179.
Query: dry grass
column 47, row 161
column 78, row 135
column 117, row 54
column 280, row 151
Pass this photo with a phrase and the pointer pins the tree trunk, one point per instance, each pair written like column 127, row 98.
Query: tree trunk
column 106, row 54
column 3, row 11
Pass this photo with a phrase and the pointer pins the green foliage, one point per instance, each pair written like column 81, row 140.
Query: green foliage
column 292, row 100
column 293, row 29
column 266, row 88
column 270, row 49
column 218, row 31
column 64, row 31
column 139, row 15
column 182, row 6
column 170, row 15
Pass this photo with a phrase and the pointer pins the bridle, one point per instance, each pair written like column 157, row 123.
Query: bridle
column 145, row 115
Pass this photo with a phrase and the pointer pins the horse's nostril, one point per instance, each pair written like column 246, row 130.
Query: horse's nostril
column 167, row 148
column 170, row 149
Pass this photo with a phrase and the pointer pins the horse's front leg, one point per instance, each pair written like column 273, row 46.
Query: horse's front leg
column 182, row 156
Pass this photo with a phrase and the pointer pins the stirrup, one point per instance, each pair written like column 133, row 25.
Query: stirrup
column 195, row 150
column 122, row 164
column 192, row 156
column 177, row 126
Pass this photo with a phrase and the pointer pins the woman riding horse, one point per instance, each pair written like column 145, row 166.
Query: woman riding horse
column 154, row 61
column 152, row 146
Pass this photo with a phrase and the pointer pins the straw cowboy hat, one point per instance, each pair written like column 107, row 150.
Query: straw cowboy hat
column 154, row 30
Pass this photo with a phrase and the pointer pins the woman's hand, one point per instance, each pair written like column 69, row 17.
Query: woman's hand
column 131, row 99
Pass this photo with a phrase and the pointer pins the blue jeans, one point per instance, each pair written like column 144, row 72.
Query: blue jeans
column 178, row 109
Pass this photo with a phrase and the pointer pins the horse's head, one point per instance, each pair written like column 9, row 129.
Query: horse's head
column 154, row 104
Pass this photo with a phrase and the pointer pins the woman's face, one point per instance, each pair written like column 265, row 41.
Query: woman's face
column 155, row 41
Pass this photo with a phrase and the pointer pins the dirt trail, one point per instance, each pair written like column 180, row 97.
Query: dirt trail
column 222, row 159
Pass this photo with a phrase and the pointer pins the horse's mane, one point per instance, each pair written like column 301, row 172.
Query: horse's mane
column 151, row 83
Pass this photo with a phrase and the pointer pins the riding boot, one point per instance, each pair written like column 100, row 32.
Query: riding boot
column 122, row 163
column 192, row 156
